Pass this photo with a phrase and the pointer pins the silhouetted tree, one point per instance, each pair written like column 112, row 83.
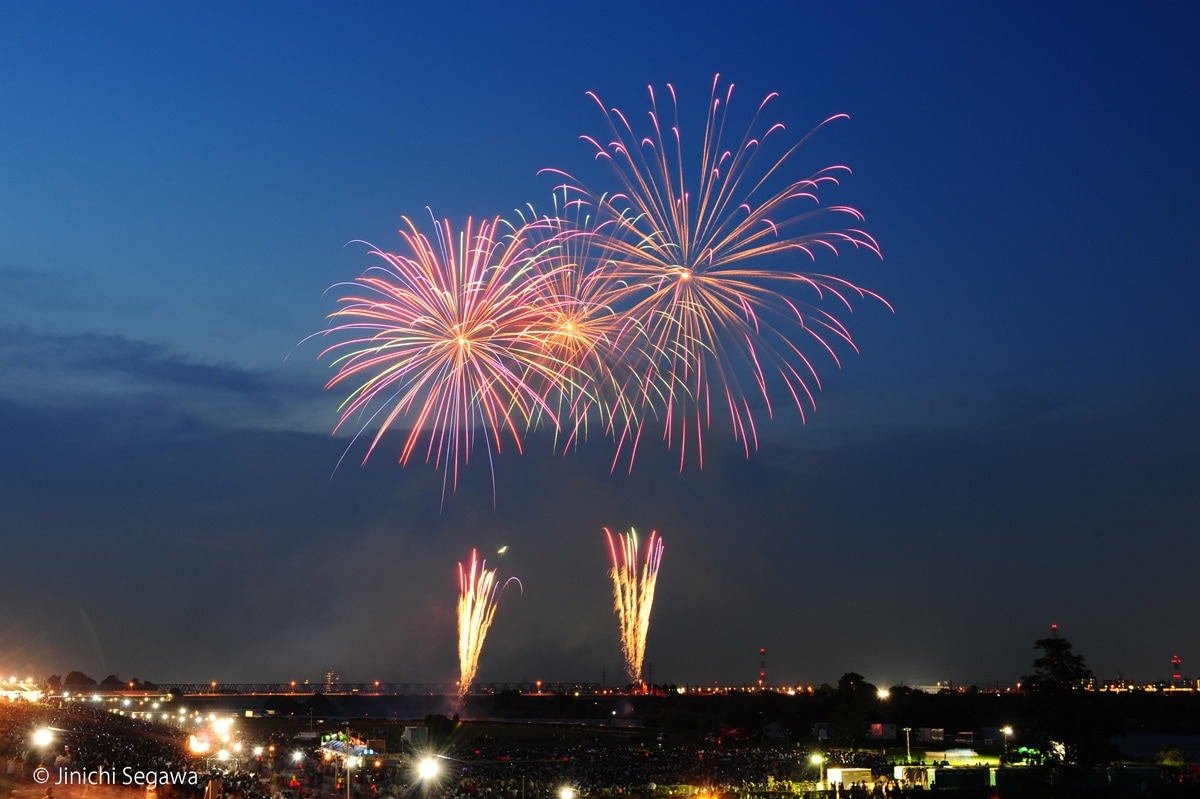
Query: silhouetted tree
column 1058, row 667
column 319, row 705
column 853, row 701
column 77, row 679
column 440, row 729
column 1172, row 757
column 1063, row 721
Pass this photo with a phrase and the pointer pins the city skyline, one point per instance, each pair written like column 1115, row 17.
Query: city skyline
column 1014, row 445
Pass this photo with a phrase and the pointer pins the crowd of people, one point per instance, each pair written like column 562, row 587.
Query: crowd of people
column 602, row 769
column 86, row 739
column 89, row 751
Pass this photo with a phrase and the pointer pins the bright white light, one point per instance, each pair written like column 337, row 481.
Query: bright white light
column 566, row 792
column 42, row 737
column 427, row 769
column 297, row 756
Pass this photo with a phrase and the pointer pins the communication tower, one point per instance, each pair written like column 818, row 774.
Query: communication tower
column 1176, row 671
column 762, row 667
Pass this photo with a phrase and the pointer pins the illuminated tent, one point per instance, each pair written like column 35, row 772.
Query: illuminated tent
column 22, row 690
column 346, row 748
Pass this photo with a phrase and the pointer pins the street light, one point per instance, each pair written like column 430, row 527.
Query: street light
column 907, row 745
column 1008, row 731
column 427, row 769
column 351, row 763
column 818, row 760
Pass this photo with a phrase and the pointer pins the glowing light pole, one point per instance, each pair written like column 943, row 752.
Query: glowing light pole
column 351, row 763
column 819, row 761
column 427, row 769
column 907, row 745
column 427, row 772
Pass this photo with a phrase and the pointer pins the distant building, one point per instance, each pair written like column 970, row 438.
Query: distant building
column 849, row 776
column 931, row 734
column 883, row 732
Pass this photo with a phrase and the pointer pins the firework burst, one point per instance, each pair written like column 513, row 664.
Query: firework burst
column 448, row 336
column 675, row 300
column 478, row 597
column 633, row 594
column 589, row 338
column 694, row 257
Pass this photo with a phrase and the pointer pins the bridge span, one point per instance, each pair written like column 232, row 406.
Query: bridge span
column 300, row 689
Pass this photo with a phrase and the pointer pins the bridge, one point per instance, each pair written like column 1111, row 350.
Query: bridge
column 343, row 688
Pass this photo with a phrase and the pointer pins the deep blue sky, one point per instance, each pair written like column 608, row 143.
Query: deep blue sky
column 1017, row 445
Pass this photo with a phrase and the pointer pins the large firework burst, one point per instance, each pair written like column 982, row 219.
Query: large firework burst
column 449, row 336
column 679, row 299
column 584, row 333
column 698, row 253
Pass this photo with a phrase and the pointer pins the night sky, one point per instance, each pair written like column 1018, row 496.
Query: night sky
column 1016, row 445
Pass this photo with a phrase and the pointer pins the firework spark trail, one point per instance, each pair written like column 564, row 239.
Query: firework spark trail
column 687, row 258
column 450, row 338
column 633, row 594
column 478, row 595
